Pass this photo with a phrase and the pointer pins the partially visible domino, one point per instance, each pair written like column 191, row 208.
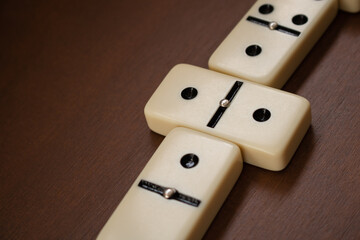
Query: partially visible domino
column 271, row 40
column 352, row 6
column 268, row 124
column 179, row 191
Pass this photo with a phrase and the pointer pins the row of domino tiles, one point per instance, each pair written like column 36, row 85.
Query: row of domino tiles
column 199, row 161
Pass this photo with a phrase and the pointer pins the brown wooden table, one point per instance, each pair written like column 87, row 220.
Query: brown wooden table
column 74, row 80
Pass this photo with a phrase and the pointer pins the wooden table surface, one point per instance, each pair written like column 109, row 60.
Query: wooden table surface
column 75, row 77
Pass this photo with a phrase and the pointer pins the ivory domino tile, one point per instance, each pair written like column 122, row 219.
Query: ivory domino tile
column 268, row 124
column 179, row 191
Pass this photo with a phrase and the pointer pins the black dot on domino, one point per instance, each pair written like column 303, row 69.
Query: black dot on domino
column 253, row 50
column 299, row 19
column 261, row 115
column 189, row 160
column 266, row 9
column 189, row 93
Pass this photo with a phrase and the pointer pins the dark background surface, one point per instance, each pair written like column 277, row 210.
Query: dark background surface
column 75, row 77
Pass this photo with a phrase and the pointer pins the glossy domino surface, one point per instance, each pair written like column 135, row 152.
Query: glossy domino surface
column 179, row 191
column 271, row 40
column 268, row 124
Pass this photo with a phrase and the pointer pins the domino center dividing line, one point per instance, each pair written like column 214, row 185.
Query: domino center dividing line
column 224, row 104
column 273, row 26
column 169, row 193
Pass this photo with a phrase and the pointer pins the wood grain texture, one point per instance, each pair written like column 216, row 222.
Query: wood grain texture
column 75, row 77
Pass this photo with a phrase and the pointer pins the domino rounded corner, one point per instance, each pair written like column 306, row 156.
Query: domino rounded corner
column 211, row 65
column 281, row 165
column 239, row 157
column 307, row 107
column 156, row 125
column 180, row 66
column 278, row 168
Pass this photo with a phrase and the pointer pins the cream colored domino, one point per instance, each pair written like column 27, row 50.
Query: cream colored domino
column 352, row 6
column 179, row 191
column 268, row 124
column 271, row 40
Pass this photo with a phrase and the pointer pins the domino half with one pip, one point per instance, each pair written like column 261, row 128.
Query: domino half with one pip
column 179, row 191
